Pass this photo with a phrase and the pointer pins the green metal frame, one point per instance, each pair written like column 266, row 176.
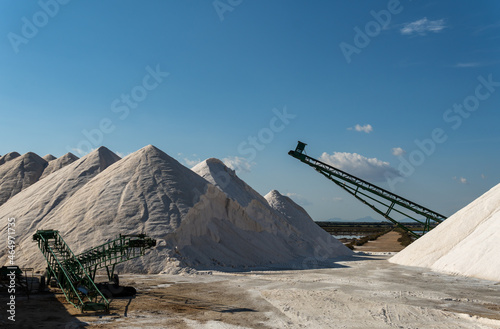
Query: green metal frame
column 74, row 281
column 367, row 192
column 75, row 275
column 114, row 252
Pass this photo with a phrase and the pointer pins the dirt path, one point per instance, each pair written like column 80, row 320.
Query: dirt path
column 387, row 242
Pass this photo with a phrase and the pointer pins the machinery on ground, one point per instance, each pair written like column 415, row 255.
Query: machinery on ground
column 380, row 200
column 75, row 274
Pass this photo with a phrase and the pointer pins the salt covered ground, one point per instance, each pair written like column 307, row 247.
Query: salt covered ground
column 364, row 292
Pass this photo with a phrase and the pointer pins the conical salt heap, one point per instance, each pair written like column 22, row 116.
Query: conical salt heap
column 19, row 172
column 292, row 235
column 9, row 156
column 467, row 243
column 196, row 225
column 49, row 157
column 56, row 164
column 324, row 244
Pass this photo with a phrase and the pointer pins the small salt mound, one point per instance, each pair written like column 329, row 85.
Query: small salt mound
column 467, row 243
column 217, row 173
column 299, row 218
column 56, row 164
column 49, row 157
column 18, row 173
column 8, row 157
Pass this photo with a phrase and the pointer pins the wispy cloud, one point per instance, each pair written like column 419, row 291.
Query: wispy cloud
column 371, row 169
column 423, row 26
column 123, row 154
column 191, row 162
column 397, row 151
column 468, row 64
column 238, row 164
column 366, row 128
column 461, row 180
column 488, row 27
column 81, row 152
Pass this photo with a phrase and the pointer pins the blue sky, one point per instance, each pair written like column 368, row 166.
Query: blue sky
column 364, row 83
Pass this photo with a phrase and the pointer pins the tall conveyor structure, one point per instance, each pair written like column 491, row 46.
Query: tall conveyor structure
column 75, row 274
column 380, row 200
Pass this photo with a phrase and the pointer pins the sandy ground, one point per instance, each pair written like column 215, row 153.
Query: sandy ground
column 387, row 242
column 364, row 292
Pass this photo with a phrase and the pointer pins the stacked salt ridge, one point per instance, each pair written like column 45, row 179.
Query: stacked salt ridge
column 197, row 225
column 467, row 243
column 18, row 172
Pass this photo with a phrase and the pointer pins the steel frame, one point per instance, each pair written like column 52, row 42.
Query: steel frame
column 75, row 275
column 367, row 193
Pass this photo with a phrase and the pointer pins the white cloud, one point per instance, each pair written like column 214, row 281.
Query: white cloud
column 122, row 155
column 397, row 151
column 461, row 180
column 422, row 26
column 191, row 163
column 371, row 169
column 469, row 64
column 81, row 152
column 238, row 164
column 366, row 128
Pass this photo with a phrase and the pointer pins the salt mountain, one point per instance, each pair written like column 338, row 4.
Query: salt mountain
column 196, row 224
column 467, row 243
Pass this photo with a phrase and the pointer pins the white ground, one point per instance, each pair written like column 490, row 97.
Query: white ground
column 365, row 292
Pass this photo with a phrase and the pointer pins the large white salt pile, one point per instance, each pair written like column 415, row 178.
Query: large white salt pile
column 195, row 223
column 467, row 243
column 297, row 238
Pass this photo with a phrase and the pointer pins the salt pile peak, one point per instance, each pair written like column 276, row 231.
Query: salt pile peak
column 9, row 156
column 146, row 192
column 217, row 173
column 49, row 157
column 56, row 164
column 299, row 234
column 467, row 243
column 299, row 218
column 18, row 173
column 255, row 205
